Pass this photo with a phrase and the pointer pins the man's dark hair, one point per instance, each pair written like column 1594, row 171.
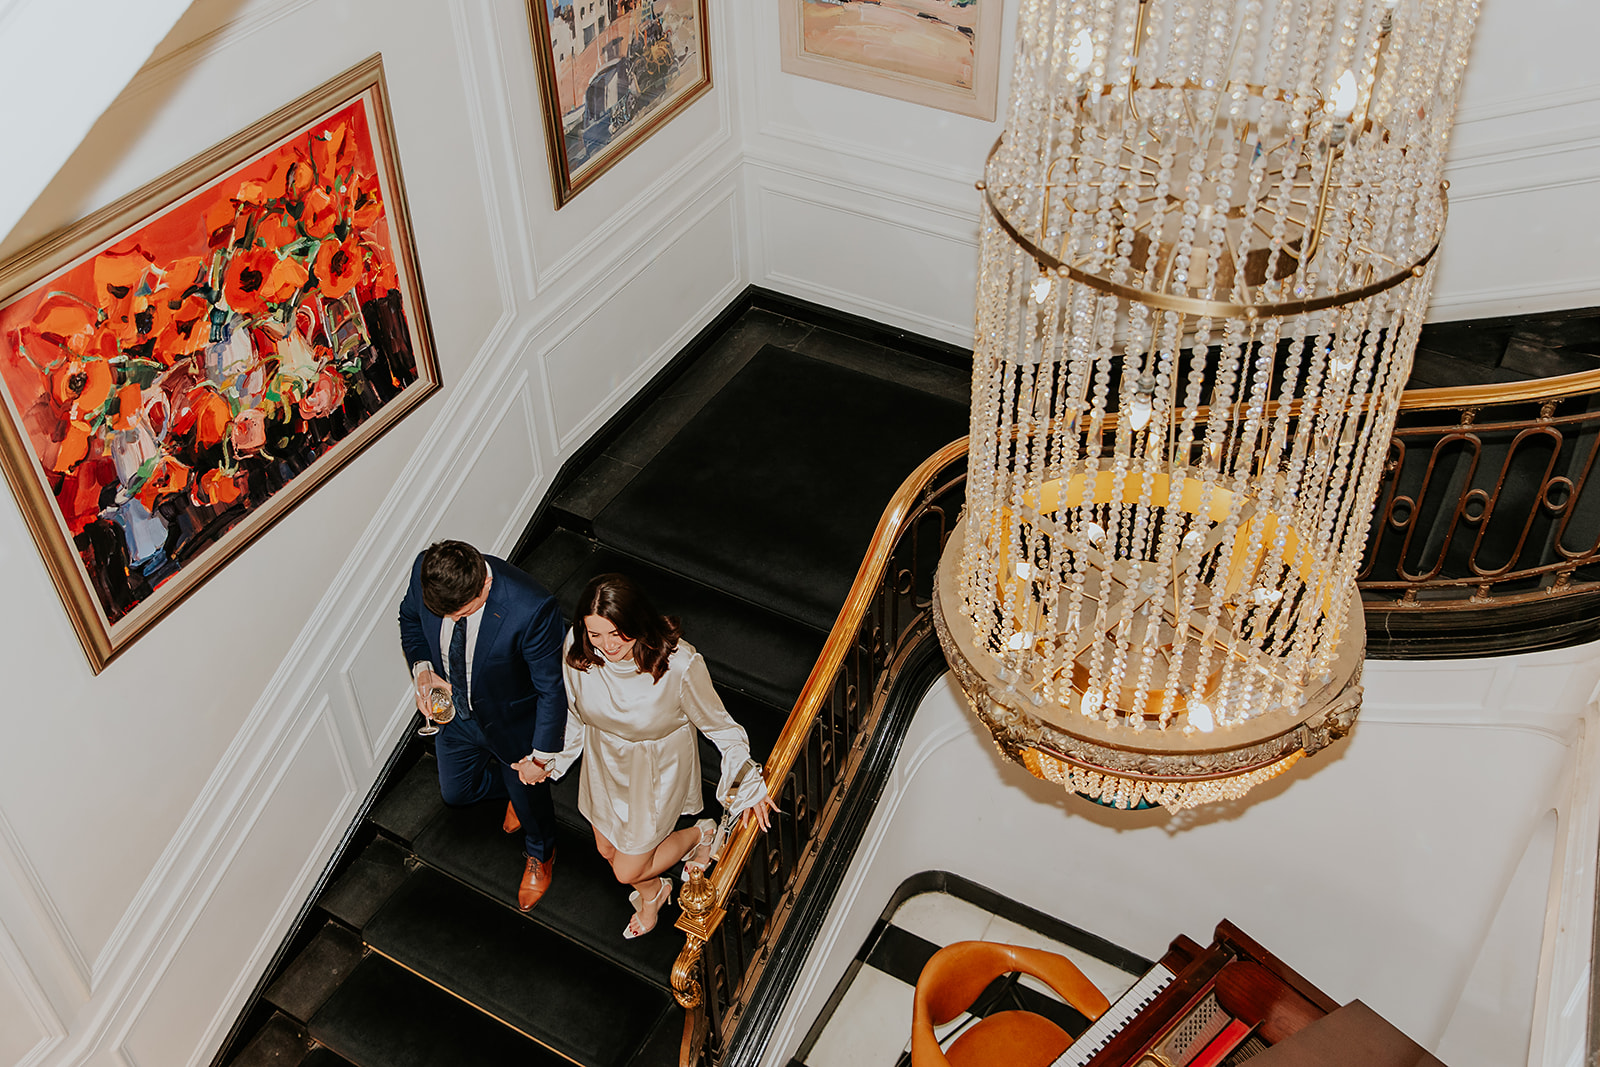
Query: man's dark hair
column 453, row 573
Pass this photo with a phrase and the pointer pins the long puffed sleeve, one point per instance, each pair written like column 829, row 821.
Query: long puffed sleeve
column 704, row 708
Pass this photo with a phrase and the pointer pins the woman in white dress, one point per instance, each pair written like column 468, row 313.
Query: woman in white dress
column 639, row 693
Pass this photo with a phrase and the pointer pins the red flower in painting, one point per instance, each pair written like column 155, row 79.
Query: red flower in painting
column 116, row 274
column 368, row 201
column 333, row 151
column 325, row 396
column 321, row 214
column 338, row 266
column 209, row 414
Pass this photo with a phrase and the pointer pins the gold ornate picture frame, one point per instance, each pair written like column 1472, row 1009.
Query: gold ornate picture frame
column 611, row 73
column 183, row 367
column 938, row 53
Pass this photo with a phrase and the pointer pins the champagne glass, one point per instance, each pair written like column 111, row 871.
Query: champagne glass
column 441, row 709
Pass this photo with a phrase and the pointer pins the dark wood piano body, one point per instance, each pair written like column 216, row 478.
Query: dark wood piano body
column 1254, row 986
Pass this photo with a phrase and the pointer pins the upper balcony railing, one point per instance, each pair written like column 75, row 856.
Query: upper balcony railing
column 1486, row 539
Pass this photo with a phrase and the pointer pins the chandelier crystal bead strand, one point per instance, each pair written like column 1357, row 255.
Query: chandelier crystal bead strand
column 1209, row 238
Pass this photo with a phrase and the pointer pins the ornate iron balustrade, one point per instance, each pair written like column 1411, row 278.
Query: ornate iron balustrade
column 1486, row 537
column 736, row 914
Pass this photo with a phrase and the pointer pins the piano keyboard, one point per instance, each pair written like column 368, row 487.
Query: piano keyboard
column 1104, row 1028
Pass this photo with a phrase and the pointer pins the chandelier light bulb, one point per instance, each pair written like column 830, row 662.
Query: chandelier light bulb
column 1081, row 54
column 1343, row 104
column 1041, row 290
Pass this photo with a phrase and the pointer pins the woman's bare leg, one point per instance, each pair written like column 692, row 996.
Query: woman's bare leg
column 643, row 870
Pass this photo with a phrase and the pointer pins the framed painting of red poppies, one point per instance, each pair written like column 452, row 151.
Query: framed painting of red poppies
column 183, row 367
column 611, row 73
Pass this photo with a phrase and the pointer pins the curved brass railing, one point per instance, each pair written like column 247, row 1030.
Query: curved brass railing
column 884, row 614
column 823, row 742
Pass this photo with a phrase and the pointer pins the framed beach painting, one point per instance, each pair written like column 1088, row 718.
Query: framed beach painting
column 612, row 72
column 941, row 53
column 181, row 368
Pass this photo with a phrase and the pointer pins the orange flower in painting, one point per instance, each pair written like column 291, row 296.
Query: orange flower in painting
column 368, row 201
column 212, row 417
column 285, row 281
column 62, row 316
column 256, row 277
column 276, row 231
column 186, row 331
column 333, row 151
column 251, row 192
column 338, row 267
column 130, row 398
column 116, row 274
column 384, row 279
column 74, row 446
column 218, row 487
column 219, row 222
column 170, row 476
column 294, row 180
column 321, row 214
column 81, row 384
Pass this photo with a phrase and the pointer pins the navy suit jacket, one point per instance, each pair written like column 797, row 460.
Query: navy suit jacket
column 518, row 696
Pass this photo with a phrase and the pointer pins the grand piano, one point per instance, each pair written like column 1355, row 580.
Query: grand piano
column 1232, row 1003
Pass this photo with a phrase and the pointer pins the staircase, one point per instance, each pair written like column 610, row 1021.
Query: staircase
column 740, row 491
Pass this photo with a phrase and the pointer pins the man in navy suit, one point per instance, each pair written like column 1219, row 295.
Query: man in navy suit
column 493, row 635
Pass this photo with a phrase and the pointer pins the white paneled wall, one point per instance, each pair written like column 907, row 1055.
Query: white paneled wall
column 1409, row 866
column 161, row 824
column 1524, row 172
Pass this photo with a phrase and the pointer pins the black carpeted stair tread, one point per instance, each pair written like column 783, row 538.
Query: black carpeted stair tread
column 325, row 1057
column 523, row 974
column 385, row 1016
column 412, row 803
column 371, row 879
column 281, row 1042
column 584, row 902
column 747, row 647
column 316, row 972
column 662, row 1048
column 773, row 489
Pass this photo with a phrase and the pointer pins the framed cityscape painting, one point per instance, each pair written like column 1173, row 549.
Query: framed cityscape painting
column 940, row 53
column 181, row 368
column 612, row 72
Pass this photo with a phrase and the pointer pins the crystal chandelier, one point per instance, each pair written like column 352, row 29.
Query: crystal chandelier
column 1206, row 256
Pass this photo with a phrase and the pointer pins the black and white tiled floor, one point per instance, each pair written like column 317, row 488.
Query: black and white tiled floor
column 867, row 1021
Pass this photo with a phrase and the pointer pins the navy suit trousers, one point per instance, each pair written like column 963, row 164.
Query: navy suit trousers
column 469, row 772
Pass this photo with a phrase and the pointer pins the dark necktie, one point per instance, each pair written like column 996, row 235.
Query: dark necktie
column 458, row 669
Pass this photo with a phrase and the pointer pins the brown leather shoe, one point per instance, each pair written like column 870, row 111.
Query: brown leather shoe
column 536, row 878
column 512, row 824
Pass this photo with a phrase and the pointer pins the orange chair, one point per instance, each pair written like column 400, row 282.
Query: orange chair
column 958, row 973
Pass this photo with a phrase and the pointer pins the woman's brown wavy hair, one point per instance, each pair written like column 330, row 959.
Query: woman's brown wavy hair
column 615, row 598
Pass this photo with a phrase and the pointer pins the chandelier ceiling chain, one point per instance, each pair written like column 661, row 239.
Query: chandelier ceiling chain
column 1210, row 232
